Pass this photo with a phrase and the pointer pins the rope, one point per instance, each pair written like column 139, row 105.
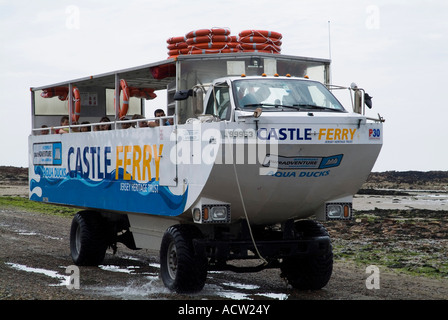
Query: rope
column 245, row 213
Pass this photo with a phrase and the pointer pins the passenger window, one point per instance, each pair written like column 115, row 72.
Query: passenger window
column 219, row 102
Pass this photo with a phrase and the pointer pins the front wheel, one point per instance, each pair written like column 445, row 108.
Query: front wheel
column 182, row 270
column 310, row 272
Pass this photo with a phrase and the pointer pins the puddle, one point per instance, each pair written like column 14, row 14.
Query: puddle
column 135, row 290
column 150, row 286
column 241, row 285
column 129, row 269
column 33, row 233
column 275, row 296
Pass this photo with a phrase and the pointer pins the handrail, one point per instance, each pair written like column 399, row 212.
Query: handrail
column 70, row 127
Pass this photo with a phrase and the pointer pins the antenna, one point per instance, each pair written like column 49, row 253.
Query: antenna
column 329, row 48
column 329, row 39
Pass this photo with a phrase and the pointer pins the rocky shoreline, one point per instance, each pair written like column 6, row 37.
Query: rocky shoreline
column 393, row 181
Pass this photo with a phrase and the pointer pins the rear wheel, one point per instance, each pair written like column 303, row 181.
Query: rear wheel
column 88, row 242
column 310, row 272
column 182, row 270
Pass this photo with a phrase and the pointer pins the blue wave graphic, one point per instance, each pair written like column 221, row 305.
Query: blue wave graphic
column 117, row 195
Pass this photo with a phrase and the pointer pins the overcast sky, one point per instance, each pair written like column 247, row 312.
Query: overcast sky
column 397, row 50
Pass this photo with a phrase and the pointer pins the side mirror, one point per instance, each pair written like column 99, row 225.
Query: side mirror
column 198, row 100
column 368, row 100
column 183, row 94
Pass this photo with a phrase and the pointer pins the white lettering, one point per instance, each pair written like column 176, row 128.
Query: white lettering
column 73, row 280
column 73, row 18
column 373, row 18
column 373, row 280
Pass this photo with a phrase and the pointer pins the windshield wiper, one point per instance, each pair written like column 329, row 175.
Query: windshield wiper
column 313, row 106
column 294, row 106
column 271, row 105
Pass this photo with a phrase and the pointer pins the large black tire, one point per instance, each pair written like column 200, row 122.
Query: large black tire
column 88, row 242
column 182, row 270
column 310, row 272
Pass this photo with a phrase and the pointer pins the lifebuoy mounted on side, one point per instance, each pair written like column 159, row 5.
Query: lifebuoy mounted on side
column 123, row 110
column 77, row 106
column 128, row 92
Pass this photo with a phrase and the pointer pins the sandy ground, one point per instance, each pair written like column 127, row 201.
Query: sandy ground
column 34, row 255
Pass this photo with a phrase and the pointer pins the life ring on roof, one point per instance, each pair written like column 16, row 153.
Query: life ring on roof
column 175, row 40
column 262, row 33
column 123, row 110
column 178, row 52
column 255, row 39
column 177, row 46
column 209, row 38
column 206, row 51
column 261, row 51
column 209, row 45
column 260, row 46
column 205, row 32
column 214, row 51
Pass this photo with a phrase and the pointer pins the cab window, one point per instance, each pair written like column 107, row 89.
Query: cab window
column 219, row 102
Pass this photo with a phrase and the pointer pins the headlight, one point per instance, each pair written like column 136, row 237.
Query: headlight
column 334, row 211
column 337, row 211
column 218, row 213
column 215, row 213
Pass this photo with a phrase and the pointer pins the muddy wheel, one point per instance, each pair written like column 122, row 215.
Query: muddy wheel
column 88, row 243
column 181, row 269
column 309, row 272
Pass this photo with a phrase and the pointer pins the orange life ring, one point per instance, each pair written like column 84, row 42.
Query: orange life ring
column 178, row 51
column 175, row 40
column 263, row 33
column 77, row 101
column 209, row 45
column 233, row 44
column 214, row 51
column 255, row 39
column 178, row 45
column 261, row 51
column 205, row 32
column 209, row 38
column 206, row 51
column 123, row 110
column 260, row 46
column 229, row 50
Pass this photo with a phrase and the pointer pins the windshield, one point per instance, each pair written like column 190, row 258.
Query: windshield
column 283, row 94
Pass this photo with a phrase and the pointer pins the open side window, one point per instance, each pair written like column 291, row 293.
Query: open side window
column 218, row 103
